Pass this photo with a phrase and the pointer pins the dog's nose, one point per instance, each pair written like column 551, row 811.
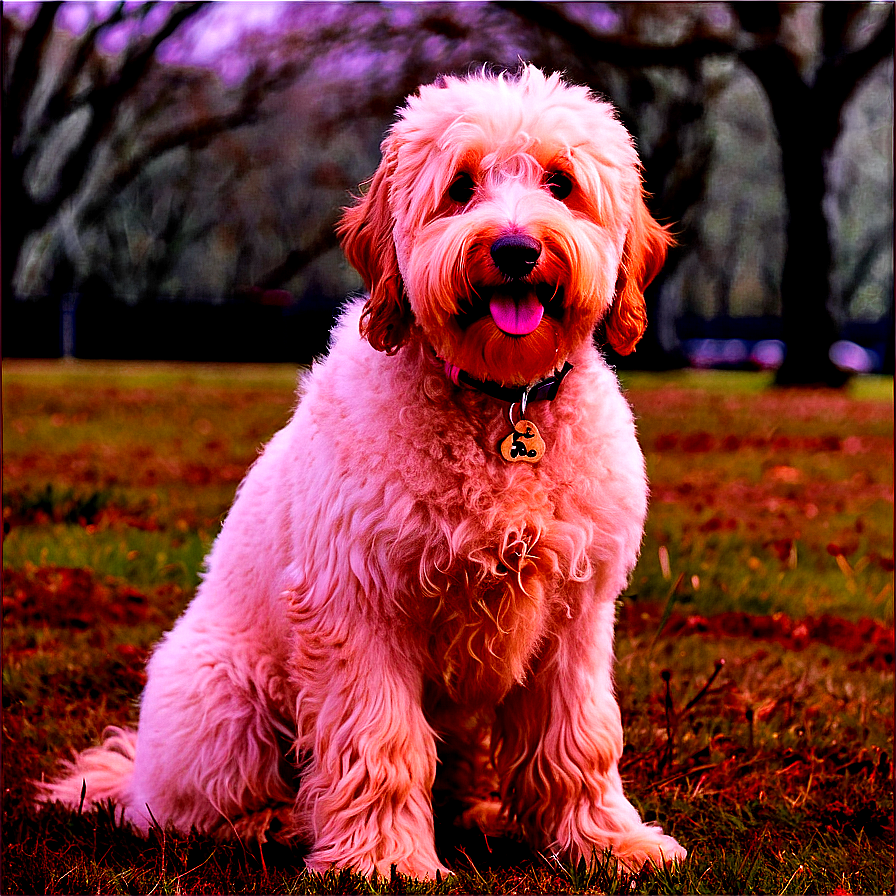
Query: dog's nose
column 515, row 254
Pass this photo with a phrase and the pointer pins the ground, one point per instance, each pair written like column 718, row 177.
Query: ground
column 755, row 642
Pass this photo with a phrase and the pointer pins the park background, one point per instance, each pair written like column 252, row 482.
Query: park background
column 171, row 175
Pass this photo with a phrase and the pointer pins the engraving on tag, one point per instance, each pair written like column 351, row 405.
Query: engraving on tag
column 524, row 444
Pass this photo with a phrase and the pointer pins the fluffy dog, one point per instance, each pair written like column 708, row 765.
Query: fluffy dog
column 426, row 558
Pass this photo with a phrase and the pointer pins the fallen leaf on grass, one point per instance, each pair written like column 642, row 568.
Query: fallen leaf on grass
column 871, row 640
column 66, row 597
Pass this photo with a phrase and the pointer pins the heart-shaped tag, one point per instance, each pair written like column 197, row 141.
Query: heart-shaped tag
column 524, row 444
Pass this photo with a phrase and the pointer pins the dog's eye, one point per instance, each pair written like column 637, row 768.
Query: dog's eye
column 559, row 184
column 462, row 188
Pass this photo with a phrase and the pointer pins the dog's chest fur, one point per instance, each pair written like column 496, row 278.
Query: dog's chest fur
column 486, row 587
column 480, row 560
column 485, row 548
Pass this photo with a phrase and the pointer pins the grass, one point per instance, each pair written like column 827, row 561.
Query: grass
column 758, row 492
column 755, row 643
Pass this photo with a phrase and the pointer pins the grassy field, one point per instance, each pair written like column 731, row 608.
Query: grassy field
column 755, row 642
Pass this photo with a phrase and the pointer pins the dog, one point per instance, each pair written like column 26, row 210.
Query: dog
column 414, row 590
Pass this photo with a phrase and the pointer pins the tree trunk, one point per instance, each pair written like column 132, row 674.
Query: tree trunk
column 806, row 127
column 807, row 322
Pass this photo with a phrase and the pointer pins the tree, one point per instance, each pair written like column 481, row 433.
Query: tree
column 245, row 177
column 808, row 88
column 79, row 127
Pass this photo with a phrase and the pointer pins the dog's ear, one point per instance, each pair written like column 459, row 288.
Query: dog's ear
column 644, row 253
column 366, row 234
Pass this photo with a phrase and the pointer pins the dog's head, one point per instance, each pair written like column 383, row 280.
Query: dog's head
column 506, row 219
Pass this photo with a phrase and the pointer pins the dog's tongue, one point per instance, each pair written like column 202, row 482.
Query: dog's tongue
column 516, row 316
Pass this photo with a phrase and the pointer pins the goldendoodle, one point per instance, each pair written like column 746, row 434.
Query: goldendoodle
column 415, row 587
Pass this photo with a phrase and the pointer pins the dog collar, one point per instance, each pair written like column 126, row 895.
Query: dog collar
column 524, row 443
column 543, row 390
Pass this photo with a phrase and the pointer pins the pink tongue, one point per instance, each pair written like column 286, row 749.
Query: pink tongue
column 516, row 317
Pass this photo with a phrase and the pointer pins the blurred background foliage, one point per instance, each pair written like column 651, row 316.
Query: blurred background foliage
column 172, row 171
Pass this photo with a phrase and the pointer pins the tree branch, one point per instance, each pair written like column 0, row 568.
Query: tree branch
column 195, row 134
column 26, row 68
column 62, row 102
column 841, row 73
column 102, row 102
column 618, row 50
column 298, row 259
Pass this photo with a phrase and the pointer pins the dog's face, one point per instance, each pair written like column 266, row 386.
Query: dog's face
column 505, row 220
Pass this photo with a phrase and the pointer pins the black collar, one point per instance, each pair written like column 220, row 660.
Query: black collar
column 544, row 390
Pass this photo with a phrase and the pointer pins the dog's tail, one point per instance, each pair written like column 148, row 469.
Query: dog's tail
column 95, row 776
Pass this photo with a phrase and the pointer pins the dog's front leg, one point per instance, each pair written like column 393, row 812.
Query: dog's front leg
column 559, row 739
column 366, row 792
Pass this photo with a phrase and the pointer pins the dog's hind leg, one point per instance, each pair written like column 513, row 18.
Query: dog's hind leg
column 213, row 734
column 211, row 746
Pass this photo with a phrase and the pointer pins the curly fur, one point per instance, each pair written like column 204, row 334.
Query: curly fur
column 389, row 601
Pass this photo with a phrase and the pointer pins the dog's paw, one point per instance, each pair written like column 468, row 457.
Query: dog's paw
column 633, row 849
column 648, row 846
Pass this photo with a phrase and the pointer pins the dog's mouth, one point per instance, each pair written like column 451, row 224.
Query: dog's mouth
column 516, row 308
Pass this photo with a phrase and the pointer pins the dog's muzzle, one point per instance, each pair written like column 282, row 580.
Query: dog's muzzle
column 517, row 305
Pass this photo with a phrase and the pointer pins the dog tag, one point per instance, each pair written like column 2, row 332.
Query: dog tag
column 524, row 444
